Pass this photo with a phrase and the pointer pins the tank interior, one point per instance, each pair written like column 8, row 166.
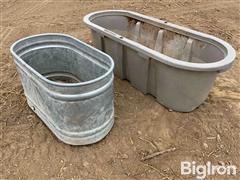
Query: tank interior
column 64, row 65
column 167, row 42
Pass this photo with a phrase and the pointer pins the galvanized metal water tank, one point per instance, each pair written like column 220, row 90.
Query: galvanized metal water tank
column 68, row 84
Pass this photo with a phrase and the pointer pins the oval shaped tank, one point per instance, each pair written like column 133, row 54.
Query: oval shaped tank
column 176, row 65
column 68, row 84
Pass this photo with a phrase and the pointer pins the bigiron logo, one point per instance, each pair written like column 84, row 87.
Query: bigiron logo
column 202, row 171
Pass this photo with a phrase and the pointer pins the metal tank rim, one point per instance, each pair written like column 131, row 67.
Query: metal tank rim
column 109, row 71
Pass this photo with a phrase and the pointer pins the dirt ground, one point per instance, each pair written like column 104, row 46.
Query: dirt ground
column 142, row 126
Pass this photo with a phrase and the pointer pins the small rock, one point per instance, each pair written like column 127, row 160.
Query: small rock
column 218, row 138
column 124, row 156
column 205, row 145
column 221, row 163
column 85, row 164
